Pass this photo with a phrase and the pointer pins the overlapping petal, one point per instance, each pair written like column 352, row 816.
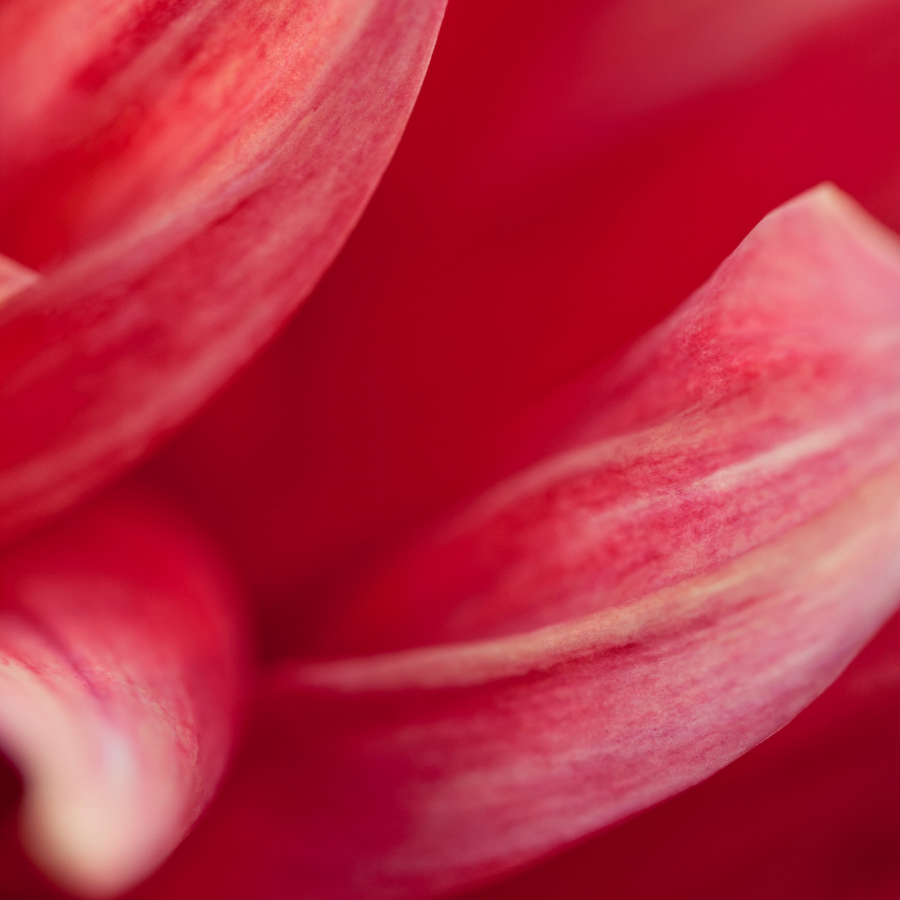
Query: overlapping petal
column 537, row 667
column 179, row 174
column 488, row 271
column 693, row 545
column 122, row 667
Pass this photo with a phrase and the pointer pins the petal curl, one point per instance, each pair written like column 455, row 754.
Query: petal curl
column 712, row 542
column 121, row 671
column 181, row 175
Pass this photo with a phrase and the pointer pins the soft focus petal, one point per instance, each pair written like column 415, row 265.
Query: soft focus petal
column 811, row 814
column 486, row 272
column 755, row 438
column 613, row 66
column 180, row 174
column 119, row 688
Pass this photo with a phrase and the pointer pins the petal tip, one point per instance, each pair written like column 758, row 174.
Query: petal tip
column 827, row 201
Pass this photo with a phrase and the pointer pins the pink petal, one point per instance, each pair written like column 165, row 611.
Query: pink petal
column 762, row 403
column 710, row 542
column 181, row 174
column 481, row 279
column 811, row 813
column 120, row 678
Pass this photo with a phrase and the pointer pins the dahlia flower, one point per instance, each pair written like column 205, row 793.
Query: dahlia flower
column 572, row 481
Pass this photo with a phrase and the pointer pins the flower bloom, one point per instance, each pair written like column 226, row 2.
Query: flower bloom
column 508, row 588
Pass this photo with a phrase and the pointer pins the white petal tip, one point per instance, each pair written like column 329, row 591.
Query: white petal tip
column 99, row 815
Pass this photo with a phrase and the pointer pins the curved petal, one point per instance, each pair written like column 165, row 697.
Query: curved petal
column 755, row 438
column 180, row 176
column 120, row 676
column 810, row 813
column 487, row 272
column 760, row 404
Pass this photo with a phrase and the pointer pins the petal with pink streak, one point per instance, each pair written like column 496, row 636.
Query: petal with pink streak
column 180, row 176
column 486, row 273
column 762, row 402
column 707, row 538
column 121, row 667
column 812, row 812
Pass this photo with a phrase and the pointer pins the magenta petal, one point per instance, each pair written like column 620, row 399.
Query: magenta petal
column 713, row 540
column 181, row 176
column 120, row 678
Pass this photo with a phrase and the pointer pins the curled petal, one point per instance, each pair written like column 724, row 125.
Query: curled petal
column 709, row 541
column 120, row 673
column 181, row 176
